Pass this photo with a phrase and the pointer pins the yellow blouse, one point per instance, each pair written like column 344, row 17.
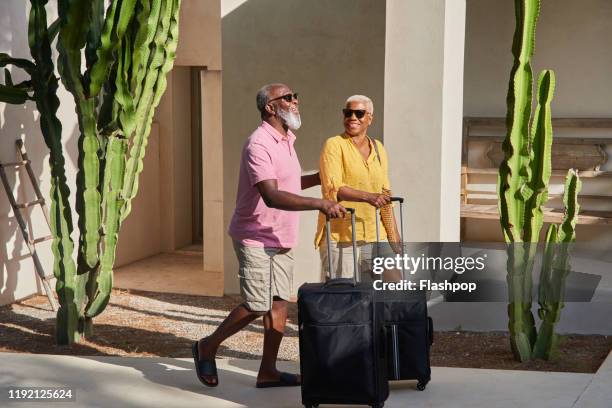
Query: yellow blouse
column 341, row 164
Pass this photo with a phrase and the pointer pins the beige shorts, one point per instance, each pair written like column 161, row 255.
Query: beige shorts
column 264, row 273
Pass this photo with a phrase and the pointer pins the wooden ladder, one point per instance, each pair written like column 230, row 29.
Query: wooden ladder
column 23, row 161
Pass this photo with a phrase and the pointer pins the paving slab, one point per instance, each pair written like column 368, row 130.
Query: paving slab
column 170, row 382
column 598, row 393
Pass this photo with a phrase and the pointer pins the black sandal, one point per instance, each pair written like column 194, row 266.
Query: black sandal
column 285, row 380
column 204, row 367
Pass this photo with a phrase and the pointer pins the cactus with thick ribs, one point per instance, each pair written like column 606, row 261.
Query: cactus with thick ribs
column 524, row 176
column 128, row 50
column 555, row 268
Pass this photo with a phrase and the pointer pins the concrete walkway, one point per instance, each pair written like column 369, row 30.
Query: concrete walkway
column 166, row 382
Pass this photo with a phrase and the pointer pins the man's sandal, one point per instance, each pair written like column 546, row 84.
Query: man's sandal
column 204, row 367
column 285, row 380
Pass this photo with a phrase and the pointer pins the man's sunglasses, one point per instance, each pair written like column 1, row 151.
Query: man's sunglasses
column 288, row 97
column 359, row 113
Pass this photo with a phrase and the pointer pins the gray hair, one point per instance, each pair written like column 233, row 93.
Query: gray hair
column 362, row 99
column 263, row 96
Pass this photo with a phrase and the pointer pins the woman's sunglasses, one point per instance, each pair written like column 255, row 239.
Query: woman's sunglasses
column 287, row 97
column 359, row 113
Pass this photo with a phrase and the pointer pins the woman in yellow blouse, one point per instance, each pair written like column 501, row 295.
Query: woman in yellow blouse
column 354, row 172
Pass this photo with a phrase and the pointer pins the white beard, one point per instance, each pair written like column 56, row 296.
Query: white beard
column 291, row 119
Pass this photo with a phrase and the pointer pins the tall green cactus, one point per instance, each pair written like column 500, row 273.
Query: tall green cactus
column 128, row 50
column 523, row 179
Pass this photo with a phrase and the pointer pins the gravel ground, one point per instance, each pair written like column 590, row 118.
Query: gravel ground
column 141, row 324
column 159, row 324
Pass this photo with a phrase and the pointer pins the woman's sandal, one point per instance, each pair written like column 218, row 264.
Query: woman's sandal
column 204, row 367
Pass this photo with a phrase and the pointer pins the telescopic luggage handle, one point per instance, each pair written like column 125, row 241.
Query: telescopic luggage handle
column 401, row 201
column 333, row 282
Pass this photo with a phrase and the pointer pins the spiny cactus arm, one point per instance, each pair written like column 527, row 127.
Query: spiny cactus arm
column 98, row 286
column 573, row 185
column 153, row 62
column 75, row 19
column 552, row 291
column 546, row 336
column 148, row 23
column 540, row 163
column 162, row 60
column 94, row 34
column 164, row 42
column 514, row 170
column 45, row 94
column 114, row 170
column 125, row 109
column 520, row 323
column 170, row 56
column 547, row 264
column 114, row 29
column 97, row 71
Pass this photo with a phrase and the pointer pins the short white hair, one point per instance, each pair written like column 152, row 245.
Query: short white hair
column 362, row 99
column 264, row 94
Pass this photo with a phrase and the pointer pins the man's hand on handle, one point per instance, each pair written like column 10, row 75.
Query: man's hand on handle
column 332, row 209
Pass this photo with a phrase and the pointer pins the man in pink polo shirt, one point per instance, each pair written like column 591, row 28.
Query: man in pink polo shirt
column 264, row 229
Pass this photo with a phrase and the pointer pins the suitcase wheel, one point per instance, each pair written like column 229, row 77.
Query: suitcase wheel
column 421, row 385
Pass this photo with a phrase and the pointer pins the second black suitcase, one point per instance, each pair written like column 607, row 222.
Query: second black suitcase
column 342, row 341
column 409, row 330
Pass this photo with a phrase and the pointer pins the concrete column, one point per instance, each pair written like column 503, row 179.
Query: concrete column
column 424, row 49
column 212, row 162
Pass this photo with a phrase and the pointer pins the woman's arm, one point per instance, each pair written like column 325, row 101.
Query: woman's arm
column 346, row 193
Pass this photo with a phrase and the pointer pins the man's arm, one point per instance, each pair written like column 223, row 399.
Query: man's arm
column 310, row 180
column 283, row 200
column 346, row 193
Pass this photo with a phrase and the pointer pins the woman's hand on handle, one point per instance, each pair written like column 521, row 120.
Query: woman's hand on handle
column 378, row 200
column 346, row 193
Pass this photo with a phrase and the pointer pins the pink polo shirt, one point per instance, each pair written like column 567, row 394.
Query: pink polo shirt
column 266, row 155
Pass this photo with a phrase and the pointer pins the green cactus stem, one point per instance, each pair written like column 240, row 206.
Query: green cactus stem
column 135, row 104
column 45, row 85
column 555, row 268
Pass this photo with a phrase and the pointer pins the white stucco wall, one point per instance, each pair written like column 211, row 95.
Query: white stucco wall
column 572, row 38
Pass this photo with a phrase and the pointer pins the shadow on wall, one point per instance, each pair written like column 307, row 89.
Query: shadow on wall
column 15, row 121
column 17, row 274
column 324, row 50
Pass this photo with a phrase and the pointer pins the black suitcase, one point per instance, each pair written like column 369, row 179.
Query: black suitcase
column 342, row 341
column 408, row 329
